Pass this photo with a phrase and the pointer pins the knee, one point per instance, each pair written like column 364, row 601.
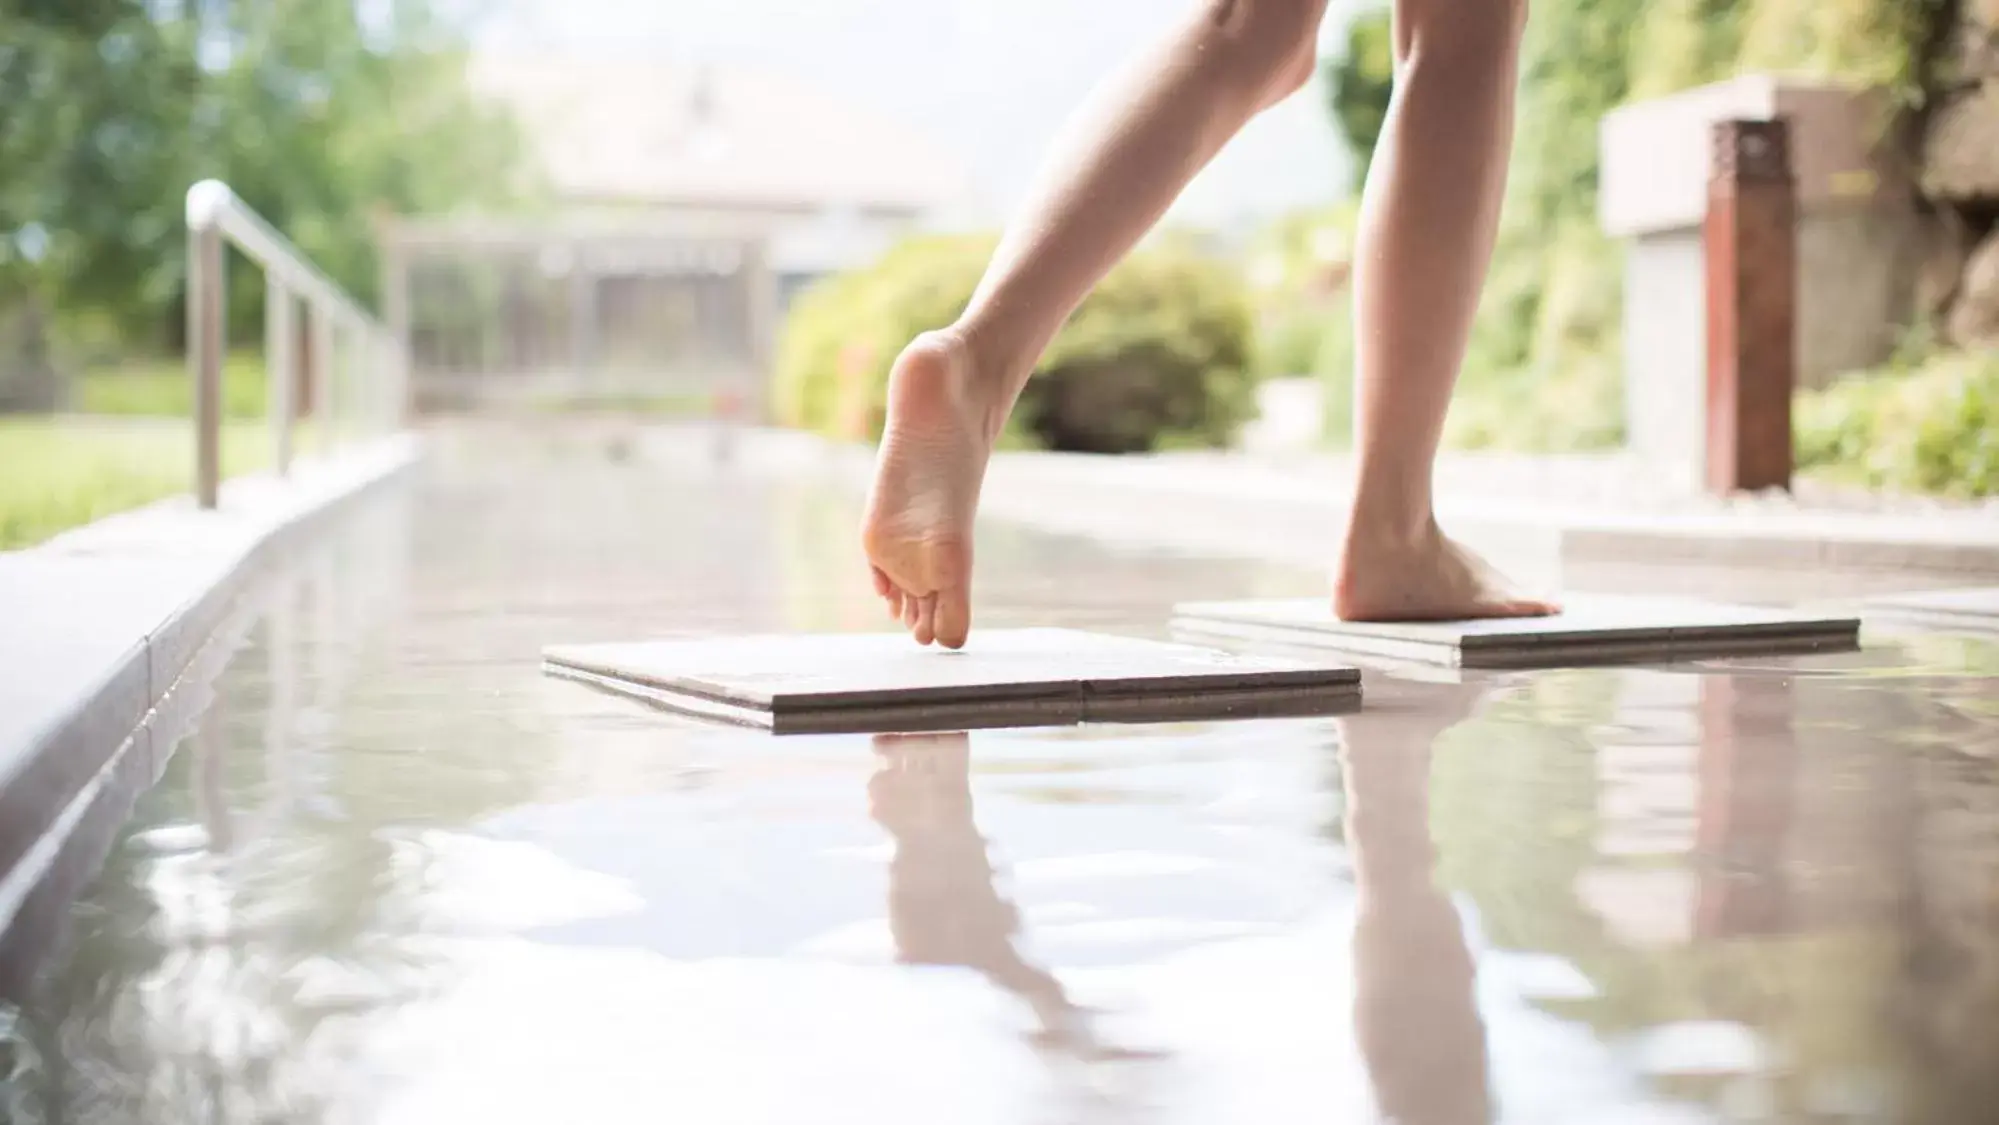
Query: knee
column 1277, row 39
column 1274, row 31
column 1296, row 72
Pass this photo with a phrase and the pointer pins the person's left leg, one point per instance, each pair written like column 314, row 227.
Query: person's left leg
column 1428, row 218
column 950, row 391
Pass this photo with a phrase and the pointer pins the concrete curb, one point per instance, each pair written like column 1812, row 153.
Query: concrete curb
column 1285, row 518
column 103, row 627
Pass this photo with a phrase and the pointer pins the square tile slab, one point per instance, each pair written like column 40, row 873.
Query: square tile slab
column 844, row 682
column 1593, row 629
column 1974, row 608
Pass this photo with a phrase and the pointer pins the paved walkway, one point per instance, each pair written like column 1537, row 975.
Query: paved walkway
column 1578, row 521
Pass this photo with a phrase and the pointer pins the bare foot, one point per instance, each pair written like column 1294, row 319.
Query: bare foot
column 918, row 527
column 1429, row 578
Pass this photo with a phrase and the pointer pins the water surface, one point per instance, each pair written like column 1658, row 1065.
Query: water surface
column 397, row 875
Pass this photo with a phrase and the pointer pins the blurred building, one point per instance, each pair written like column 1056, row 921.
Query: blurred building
column 680, row 211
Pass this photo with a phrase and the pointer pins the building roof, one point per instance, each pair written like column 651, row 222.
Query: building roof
column 615, row 131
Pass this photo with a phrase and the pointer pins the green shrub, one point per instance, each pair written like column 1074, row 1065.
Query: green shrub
column 1334, row 365
column 1289, row 342
column 1542, row 373
column 1541, row 368
column 1927, row 424
column 1158, row 355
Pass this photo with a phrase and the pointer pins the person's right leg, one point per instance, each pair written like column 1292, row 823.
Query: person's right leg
column 1126, row 160
column 1429, row 215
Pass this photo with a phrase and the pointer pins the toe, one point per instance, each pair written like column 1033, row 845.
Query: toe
column 954, row 617
column 1536, row 607
column 882, row 584
column 1527, row 607
column 894, row 600
column 926, row 620
column 911, row 606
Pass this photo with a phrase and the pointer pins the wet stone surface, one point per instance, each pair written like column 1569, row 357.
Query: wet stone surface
column 398, row 875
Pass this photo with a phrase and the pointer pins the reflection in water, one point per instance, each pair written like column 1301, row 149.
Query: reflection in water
column 943, row 906
column 231, row 946
column 1416, row 1019
column 1733, row 892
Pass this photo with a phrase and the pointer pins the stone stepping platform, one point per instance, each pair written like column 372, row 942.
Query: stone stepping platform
column 1592, row 629
column 880, row 682
column 1974, row 609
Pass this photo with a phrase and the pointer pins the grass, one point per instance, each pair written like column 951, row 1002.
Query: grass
column 64, row 471
column 162, row 388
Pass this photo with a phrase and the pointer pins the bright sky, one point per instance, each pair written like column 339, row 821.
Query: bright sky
column 990, row 81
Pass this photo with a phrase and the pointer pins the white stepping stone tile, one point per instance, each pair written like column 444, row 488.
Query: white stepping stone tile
column 1592, row 629
column 1967, row 608
column 846, row 682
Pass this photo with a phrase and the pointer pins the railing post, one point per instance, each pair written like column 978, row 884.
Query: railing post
column 319, row 325
column 583, row 311
column 205, row 290
column 1750, row 244
column 354, row 410
column 312, row 331
column 392, row 344
column 281, row 359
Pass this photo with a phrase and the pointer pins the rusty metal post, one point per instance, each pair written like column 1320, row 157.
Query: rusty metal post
column 1747, row 775
column 205, row 291
column 1750, row 243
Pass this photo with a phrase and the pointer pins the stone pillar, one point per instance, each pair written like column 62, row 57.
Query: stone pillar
column 1853, row 220
column 1749, row 241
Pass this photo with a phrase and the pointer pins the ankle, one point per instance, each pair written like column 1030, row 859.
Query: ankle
column 1392, row 526
column 985, row 385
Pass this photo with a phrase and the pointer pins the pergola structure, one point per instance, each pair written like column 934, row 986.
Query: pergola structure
column 681, row 206
column 579, row 310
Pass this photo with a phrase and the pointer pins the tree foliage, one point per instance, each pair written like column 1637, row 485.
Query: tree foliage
column 1543, row 362
column 1358, row 84
column 320, row 118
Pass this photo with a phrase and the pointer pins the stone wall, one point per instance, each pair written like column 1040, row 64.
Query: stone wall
column 1960, row 178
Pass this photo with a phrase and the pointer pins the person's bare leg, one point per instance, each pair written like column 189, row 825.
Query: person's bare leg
column 1126, row 158
column 1429, row 214
column 1416, row 1017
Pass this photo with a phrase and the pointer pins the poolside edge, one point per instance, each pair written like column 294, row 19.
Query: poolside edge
column 102, row 622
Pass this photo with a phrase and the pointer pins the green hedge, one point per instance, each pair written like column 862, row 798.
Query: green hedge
column 1930, row 425
column 1158, row 356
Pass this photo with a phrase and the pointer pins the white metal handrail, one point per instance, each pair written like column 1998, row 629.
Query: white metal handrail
column 335, row 322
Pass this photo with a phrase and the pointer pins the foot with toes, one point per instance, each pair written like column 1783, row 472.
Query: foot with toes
column 917, row 530
column 1422, row 577
column 938, row 437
